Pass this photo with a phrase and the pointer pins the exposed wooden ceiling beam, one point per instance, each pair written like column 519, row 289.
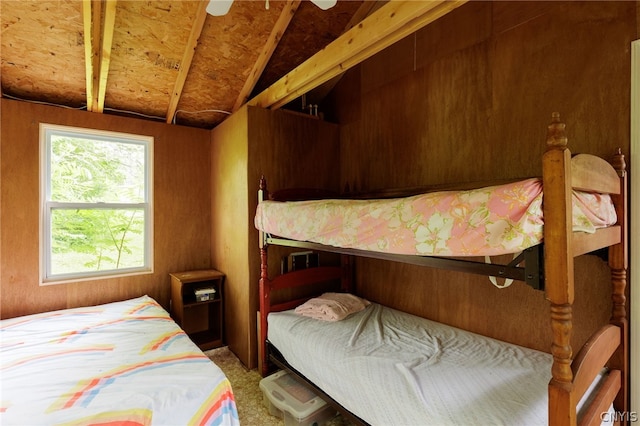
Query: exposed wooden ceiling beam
column 267, row 51
column 391, row 23
column 105, row 57
column 187, row 58
column 366, row 9
column 98, row 37
column 92, row 21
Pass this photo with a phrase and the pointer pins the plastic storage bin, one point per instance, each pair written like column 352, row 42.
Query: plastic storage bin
column 205, row 294
column 287, row 398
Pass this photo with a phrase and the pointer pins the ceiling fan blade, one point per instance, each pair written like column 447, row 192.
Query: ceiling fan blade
column 324, row 4
column 219, row 7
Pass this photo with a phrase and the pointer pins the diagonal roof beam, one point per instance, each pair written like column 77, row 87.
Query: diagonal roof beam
column 105, row 56
column 187, row 58
column 267, row 51
column 366, row 9
column 390, row 23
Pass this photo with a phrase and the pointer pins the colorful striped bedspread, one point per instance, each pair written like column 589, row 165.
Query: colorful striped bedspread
column 501, row 219
column 119, row 363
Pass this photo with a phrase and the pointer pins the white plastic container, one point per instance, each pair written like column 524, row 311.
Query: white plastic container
column 287, row 398
column 205, row 294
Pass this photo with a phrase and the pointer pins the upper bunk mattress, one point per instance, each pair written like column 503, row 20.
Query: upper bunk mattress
column 392, row 368
column 488, row 221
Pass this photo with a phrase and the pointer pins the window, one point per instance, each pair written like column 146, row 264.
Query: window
column 96, row 203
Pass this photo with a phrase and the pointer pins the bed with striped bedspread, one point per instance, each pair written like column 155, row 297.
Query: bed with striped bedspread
column 120, row 363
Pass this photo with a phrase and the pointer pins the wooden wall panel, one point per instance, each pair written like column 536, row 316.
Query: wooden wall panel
column 517, row 313
column 495, row 91
column 286, row 148
column 182, row 218
column 473, row 105
column 230, row 221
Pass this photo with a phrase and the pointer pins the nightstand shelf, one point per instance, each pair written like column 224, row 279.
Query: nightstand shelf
column 201, row 320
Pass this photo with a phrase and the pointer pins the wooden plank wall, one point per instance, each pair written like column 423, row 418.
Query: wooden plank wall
column 468, row 99
column 230, row 217
column 182, row 217
column 285, row 148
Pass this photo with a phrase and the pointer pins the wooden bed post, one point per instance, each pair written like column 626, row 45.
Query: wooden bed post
column 618, row 256
column 558, row 264
column 263, row 194
column 265, row 299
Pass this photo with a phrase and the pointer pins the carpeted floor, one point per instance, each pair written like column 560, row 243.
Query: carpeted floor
column 246, row 388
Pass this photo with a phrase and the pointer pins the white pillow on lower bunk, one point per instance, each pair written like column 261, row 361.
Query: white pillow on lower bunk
column 332, row 306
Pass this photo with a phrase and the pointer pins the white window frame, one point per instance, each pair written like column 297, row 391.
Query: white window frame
column 46, row 205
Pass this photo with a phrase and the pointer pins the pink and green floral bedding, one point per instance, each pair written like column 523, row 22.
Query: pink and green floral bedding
column 125, row 363
column 489, row 221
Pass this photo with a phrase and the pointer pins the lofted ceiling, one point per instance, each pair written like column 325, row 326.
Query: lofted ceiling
column 169, row 60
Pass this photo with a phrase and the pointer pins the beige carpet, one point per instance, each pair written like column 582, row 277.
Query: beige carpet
column 246, row 388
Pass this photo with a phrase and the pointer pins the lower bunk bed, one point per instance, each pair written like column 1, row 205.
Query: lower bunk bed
column 392, row 368
column 381, row 366
column 125, row 362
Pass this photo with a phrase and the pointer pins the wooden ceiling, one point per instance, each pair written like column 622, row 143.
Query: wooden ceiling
column 169, row 60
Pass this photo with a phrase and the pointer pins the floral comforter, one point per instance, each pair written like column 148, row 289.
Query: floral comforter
column 488, row 221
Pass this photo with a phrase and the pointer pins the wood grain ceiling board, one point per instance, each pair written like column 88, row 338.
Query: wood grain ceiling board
column 148, row 44
column 228, row 48
column 43, row 51
column 310, row 31
column 381, row 29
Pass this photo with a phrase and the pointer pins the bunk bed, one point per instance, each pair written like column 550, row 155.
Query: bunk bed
column 125, row 362
column 570, row 389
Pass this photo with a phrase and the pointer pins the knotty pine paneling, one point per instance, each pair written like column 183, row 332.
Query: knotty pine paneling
column 468, row 98
column 182, row 218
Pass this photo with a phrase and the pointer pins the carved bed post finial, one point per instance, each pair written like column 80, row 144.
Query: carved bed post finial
column 618, row 163
column 556, row 137
column 263, row 193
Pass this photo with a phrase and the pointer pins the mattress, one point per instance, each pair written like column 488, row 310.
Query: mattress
column 390, row 367
column 494, row 220
column 119, row 363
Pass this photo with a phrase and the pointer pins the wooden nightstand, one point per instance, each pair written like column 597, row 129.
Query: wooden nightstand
column 200, row 317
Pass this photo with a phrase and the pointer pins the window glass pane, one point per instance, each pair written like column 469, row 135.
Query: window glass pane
column 86, row 170
column 85, row 240
column 97, row 197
